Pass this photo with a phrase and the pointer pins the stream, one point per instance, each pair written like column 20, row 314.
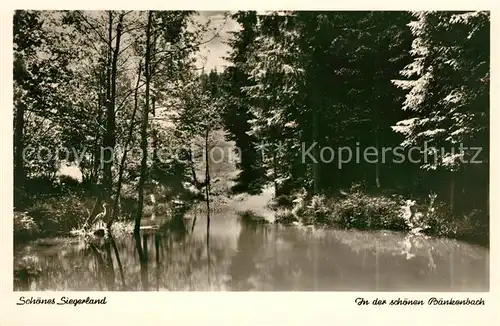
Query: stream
column 264, row 257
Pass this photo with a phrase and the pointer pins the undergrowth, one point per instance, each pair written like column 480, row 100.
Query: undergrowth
column 358, row 210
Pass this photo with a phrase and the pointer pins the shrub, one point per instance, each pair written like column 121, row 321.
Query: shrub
column 285, row 217
column 67, row 182
column 60, row 214
column 24, row 226
column 438, row 221
column 318, row 212
column 283, row 201
column 472, row 226
column 357, row 210
column 369, row 212
column 390, row 212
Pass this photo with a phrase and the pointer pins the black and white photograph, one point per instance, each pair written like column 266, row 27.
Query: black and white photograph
column 284, row 150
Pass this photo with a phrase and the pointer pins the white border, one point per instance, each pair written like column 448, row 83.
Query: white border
column 233, row 308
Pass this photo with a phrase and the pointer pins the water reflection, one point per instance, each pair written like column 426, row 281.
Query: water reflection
column 257, row 257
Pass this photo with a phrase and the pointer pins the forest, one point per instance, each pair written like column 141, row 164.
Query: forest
column 418, row 81
column 119, row 99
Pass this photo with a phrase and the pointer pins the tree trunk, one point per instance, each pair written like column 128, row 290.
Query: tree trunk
column 109, row 54
column 19, row 173
column 155, row 138
column 127, row 142
column 144, row 129
column 378, row 103
column 377, row 164
column 98, row 140
column 315, row 153
column 207, row 194
column 109, row 138
column 107, row 103
column 275, row 174
column 452, row 192
column 207, row 179
column 95, row 159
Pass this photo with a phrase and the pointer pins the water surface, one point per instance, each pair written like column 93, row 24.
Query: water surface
column 267, row 257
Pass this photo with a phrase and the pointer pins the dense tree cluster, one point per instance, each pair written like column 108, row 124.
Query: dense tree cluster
column 369, row 81
column 360, row 93
column 110, row 88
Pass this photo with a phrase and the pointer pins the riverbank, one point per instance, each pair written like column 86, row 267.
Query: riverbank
column 361, row 211
column 67, row 215
column 264, row 257
column 60, row 216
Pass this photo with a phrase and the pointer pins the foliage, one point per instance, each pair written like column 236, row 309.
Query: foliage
column 290, row 68
column 447, row 102
column 447, row 83
column 237, row 107
column 363, row 80
column 362, row 211
column 24, row 226
column 60, row 214
column 57, row 215
column 472, row 226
